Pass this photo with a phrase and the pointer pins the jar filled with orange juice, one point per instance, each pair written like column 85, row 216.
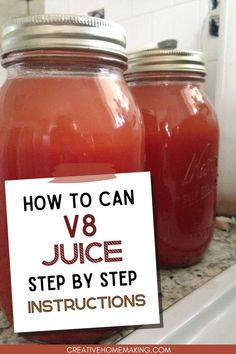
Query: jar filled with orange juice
column 65, row 110
column 181, row 149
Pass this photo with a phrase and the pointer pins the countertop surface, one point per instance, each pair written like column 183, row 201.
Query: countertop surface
column 175, row 283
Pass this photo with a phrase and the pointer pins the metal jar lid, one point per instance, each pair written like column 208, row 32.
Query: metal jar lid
column 166, row 60
column 63, row 32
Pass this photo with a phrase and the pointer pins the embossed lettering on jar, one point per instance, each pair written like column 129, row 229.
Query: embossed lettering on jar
column 181, row 147
column 65, row 110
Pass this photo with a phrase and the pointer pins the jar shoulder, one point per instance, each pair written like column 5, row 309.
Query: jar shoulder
column 90, row 100
column 174, row 103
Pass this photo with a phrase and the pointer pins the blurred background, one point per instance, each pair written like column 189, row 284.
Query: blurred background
column 145, row 21
column 206, row 25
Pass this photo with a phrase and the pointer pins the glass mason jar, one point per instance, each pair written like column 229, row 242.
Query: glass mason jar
column 65, row 110
column 181, row 149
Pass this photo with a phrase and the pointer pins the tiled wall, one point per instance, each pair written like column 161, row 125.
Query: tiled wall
column 16, row 8
column 226, row 109
column 146, row 20
column 150, row 21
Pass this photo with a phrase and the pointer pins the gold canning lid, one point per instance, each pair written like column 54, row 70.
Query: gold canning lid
column 63, row 32
column 160, row 60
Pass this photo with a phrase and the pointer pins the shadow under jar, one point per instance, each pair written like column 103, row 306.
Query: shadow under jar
column 181, row 149
column 65, row 110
